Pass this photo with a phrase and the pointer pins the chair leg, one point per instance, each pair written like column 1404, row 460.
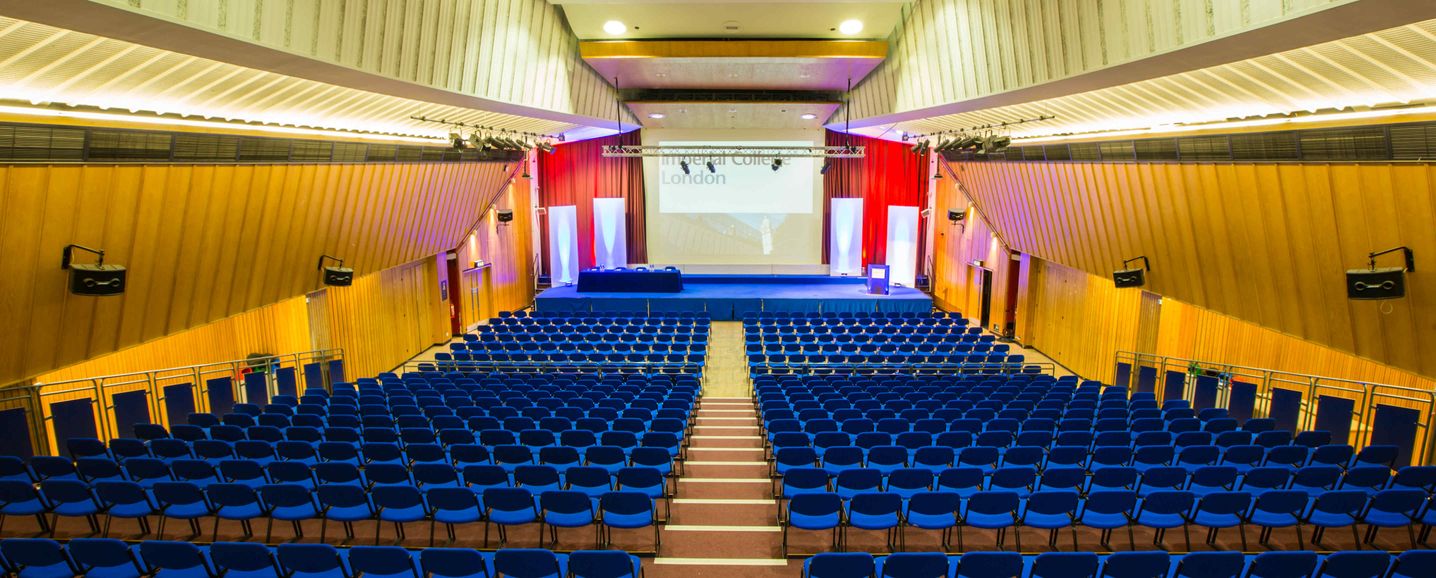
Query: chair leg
column 1131, row 537
column 433, row 523
column 486, row 533
column 1356, row 536
column 161, row 534
column 1242, row 529
column 1300, row 545
column 323, row 528
column 109, row 518
column 268, row 530
column 1187, row 532
column 1017, row 535
column 1411, row 532
column 541, row 533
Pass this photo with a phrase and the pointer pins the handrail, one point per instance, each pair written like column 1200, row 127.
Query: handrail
column 155, row 382
column 1362, row 394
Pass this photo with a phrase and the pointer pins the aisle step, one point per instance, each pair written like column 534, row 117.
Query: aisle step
column 709, row 469
column 753, row 512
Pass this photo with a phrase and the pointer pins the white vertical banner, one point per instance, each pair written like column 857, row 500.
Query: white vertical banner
column 902, row 245
column 845, row 237
column 610, row 230
column 563, row 244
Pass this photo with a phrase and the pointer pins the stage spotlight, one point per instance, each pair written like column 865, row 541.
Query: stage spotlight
column 711, row 168
column 777, row 164
column 458, row 141
column 683, row 164
column 826, row 165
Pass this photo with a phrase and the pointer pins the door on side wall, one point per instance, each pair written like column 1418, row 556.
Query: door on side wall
column 1010, row 289
column 452, row 293
column 986, row 309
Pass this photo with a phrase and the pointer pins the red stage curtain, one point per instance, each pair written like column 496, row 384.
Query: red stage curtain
column 889, row 174
column 576, row 174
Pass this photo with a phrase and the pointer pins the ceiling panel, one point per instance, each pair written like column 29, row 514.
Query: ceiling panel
column 43, row 64
column 1391, row 67
column 718, row 19
column 804, row 65
column 722, row 115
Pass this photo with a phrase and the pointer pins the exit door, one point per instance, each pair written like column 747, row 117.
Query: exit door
column 986, row 281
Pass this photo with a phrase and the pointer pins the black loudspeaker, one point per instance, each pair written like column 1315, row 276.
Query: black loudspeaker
column 1129, row 278
column 956, row 215
column 97, row 279
column 338, row 276
column 505, row 216
column 1387, row 283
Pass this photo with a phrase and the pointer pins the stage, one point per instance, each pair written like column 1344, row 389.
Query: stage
column 729, row 297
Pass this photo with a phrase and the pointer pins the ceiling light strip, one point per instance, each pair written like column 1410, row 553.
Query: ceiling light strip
column 165, row 121
column 1232, row 125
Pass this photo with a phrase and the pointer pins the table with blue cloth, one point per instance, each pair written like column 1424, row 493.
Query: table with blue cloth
column 630, row 282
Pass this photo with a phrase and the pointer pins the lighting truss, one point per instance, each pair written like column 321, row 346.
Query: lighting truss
column 701, row 152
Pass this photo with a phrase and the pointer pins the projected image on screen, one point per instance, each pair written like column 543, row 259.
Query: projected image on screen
column 735, row 184
column 740, row 212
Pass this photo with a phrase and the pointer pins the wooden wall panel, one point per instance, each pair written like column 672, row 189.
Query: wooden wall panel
column 1191, row 332
column 956, row 246
column 278, row 328
column 507, row 284
column 1268, row 244
column 206, row 242
column 1080, row 320
column 386, row 318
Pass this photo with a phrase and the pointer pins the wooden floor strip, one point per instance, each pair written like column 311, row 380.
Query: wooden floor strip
column 720, row 562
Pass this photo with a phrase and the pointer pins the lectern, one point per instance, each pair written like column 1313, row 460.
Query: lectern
column 877, row 279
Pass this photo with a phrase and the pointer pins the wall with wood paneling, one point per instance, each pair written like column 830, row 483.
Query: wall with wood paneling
column 1267, row 244
column 386, row 318
column 1082, row 321
column 955, row 280
column 205, row 242
column 506, row 282
column 949, row 51
column 1079, row 320
column 279, row 328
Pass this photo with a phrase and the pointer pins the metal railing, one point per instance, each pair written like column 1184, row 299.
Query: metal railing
column 302, row 368
column 1365, row 397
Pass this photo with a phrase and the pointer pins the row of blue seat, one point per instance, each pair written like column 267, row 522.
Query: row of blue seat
column 1108, row 510
column 631, row 504
column 109, row 558
column 514, row 451
column 1023, row 480
column 853, row 318
column 986, row 458
column 1293, row 564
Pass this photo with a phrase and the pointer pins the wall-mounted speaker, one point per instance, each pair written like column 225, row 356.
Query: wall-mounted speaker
column 1388, row 283
column 97, row 279
column 92, row 278
column 1129, row 278
column 338, row 276
column 956, row 215
column 504, row 216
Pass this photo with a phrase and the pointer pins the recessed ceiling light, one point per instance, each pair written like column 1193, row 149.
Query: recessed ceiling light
column 848, row 27
column 655, row 115
column 615, row 27
column 808, row 116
